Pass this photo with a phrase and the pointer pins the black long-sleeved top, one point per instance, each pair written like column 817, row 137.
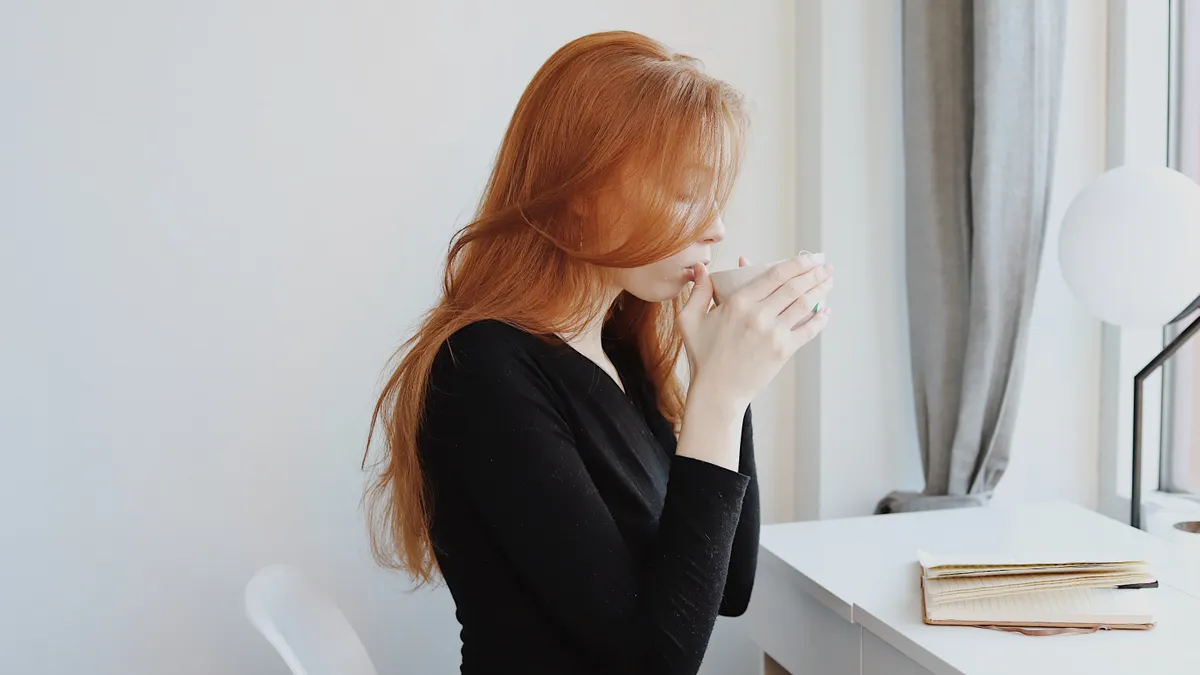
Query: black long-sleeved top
column 571, row 537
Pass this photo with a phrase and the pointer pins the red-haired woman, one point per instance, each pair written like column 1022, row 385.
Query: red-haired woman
column 587, row 513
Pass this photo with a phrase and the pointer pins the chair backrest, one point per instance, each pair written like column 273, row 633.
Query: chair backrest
column 304, row 624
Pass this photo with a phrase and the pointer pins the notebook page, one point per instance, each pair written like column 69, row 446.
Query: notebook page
column 1035, row 558
column 1084, row 606
column 940, row 572
column 957, row 589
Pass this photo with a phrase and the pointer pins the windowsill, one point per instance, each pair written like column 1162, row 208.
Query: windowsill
column 1162, row 510
column 1172, row 501
column 1157, row 508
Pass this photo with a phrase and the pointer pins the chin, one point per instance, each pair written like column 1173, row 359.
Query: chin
column 661, row 292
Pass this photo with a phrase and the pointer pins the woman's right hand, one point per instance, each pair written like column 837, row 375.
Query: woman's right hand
column 736, row 348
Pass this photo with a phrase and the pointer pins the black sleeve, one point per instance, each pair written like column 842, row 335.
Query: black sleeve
column 743, row 560
column 513, row 456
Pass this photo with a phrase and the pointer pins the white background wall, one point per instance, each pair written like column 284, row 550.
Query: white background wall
column 857, row 434
column 218, row 220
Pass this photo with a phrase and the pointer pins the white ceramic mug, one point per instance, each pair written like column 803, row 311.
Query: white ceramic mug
column 727, row 282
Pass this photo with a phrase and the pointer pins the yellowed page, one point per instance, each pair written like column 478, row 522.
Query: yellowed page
column 1096, row 606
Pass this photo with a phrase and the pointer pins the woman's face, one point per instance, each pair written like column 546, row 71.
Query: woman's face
column 625, row 207
column 666, row 278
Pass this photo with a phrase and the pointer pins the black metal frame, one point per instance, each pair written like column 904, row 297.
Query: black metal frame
column 1135, row 497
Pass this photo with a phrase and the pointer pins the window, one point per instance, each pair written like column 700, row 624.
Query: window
column 1180, row 465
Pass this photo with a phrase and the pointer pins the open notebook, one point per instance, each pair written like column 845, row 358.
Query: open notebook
column 1037, row 592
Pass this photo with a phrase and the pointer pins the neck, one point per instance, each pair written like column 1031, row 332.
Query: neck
column 588, row 339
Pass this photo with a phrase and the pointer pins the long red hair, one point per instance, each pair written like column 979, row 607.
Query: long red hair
column 611, row 112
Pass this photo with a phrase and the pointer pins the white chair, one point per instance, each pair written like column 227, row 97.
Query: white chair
column 304, row 624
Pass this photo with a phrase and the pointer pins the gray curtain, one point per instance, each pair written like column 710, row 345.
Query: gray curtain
column 982, row 82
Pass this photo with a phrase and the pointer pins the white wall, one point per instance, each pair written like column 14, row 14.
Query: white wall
column 862, row 387
column 856, row 433
column 218, row 219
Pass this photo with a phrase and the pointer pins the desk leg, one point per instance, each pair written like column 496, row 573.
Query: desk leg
column 800, row 633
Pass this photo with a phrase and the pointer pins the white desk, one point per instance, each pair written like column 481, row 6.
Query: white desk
column 838, row 597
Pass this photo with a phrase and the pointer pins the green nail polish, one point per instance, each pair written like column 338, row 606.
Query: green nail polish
column 816, row 307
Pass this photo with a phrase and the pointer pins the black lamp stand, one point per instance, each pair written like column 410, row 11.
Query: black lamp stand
column 1135, row 501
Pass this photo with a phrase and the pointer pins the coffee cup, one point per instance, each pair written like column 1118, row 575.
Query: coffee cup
column 727, row 282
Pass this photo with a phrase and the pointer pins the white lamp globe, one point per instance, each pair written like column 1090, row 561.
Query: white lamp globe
column 1129, row 247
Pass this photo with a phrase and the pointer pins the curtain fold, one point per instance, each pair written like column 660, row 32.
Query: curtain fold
column 982, row 83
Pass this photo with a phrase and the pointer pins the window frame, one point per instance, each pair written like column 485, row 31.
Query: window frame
column 1180, row 444
column 1140, row 52
column 1138, row 69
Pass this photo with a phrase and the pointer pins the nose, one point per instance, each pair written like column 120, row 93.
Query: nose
column 715, row 232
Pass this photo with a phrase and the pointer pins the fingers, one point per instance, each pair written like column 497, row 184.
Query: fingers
column 810, row 329
column 804, row 307
column 798, row 287
column 701, row 296
column 743, row 261
column 777, row 275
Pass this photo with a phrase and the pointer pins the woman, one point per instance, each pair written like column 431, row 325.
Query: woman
column 587, row 515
